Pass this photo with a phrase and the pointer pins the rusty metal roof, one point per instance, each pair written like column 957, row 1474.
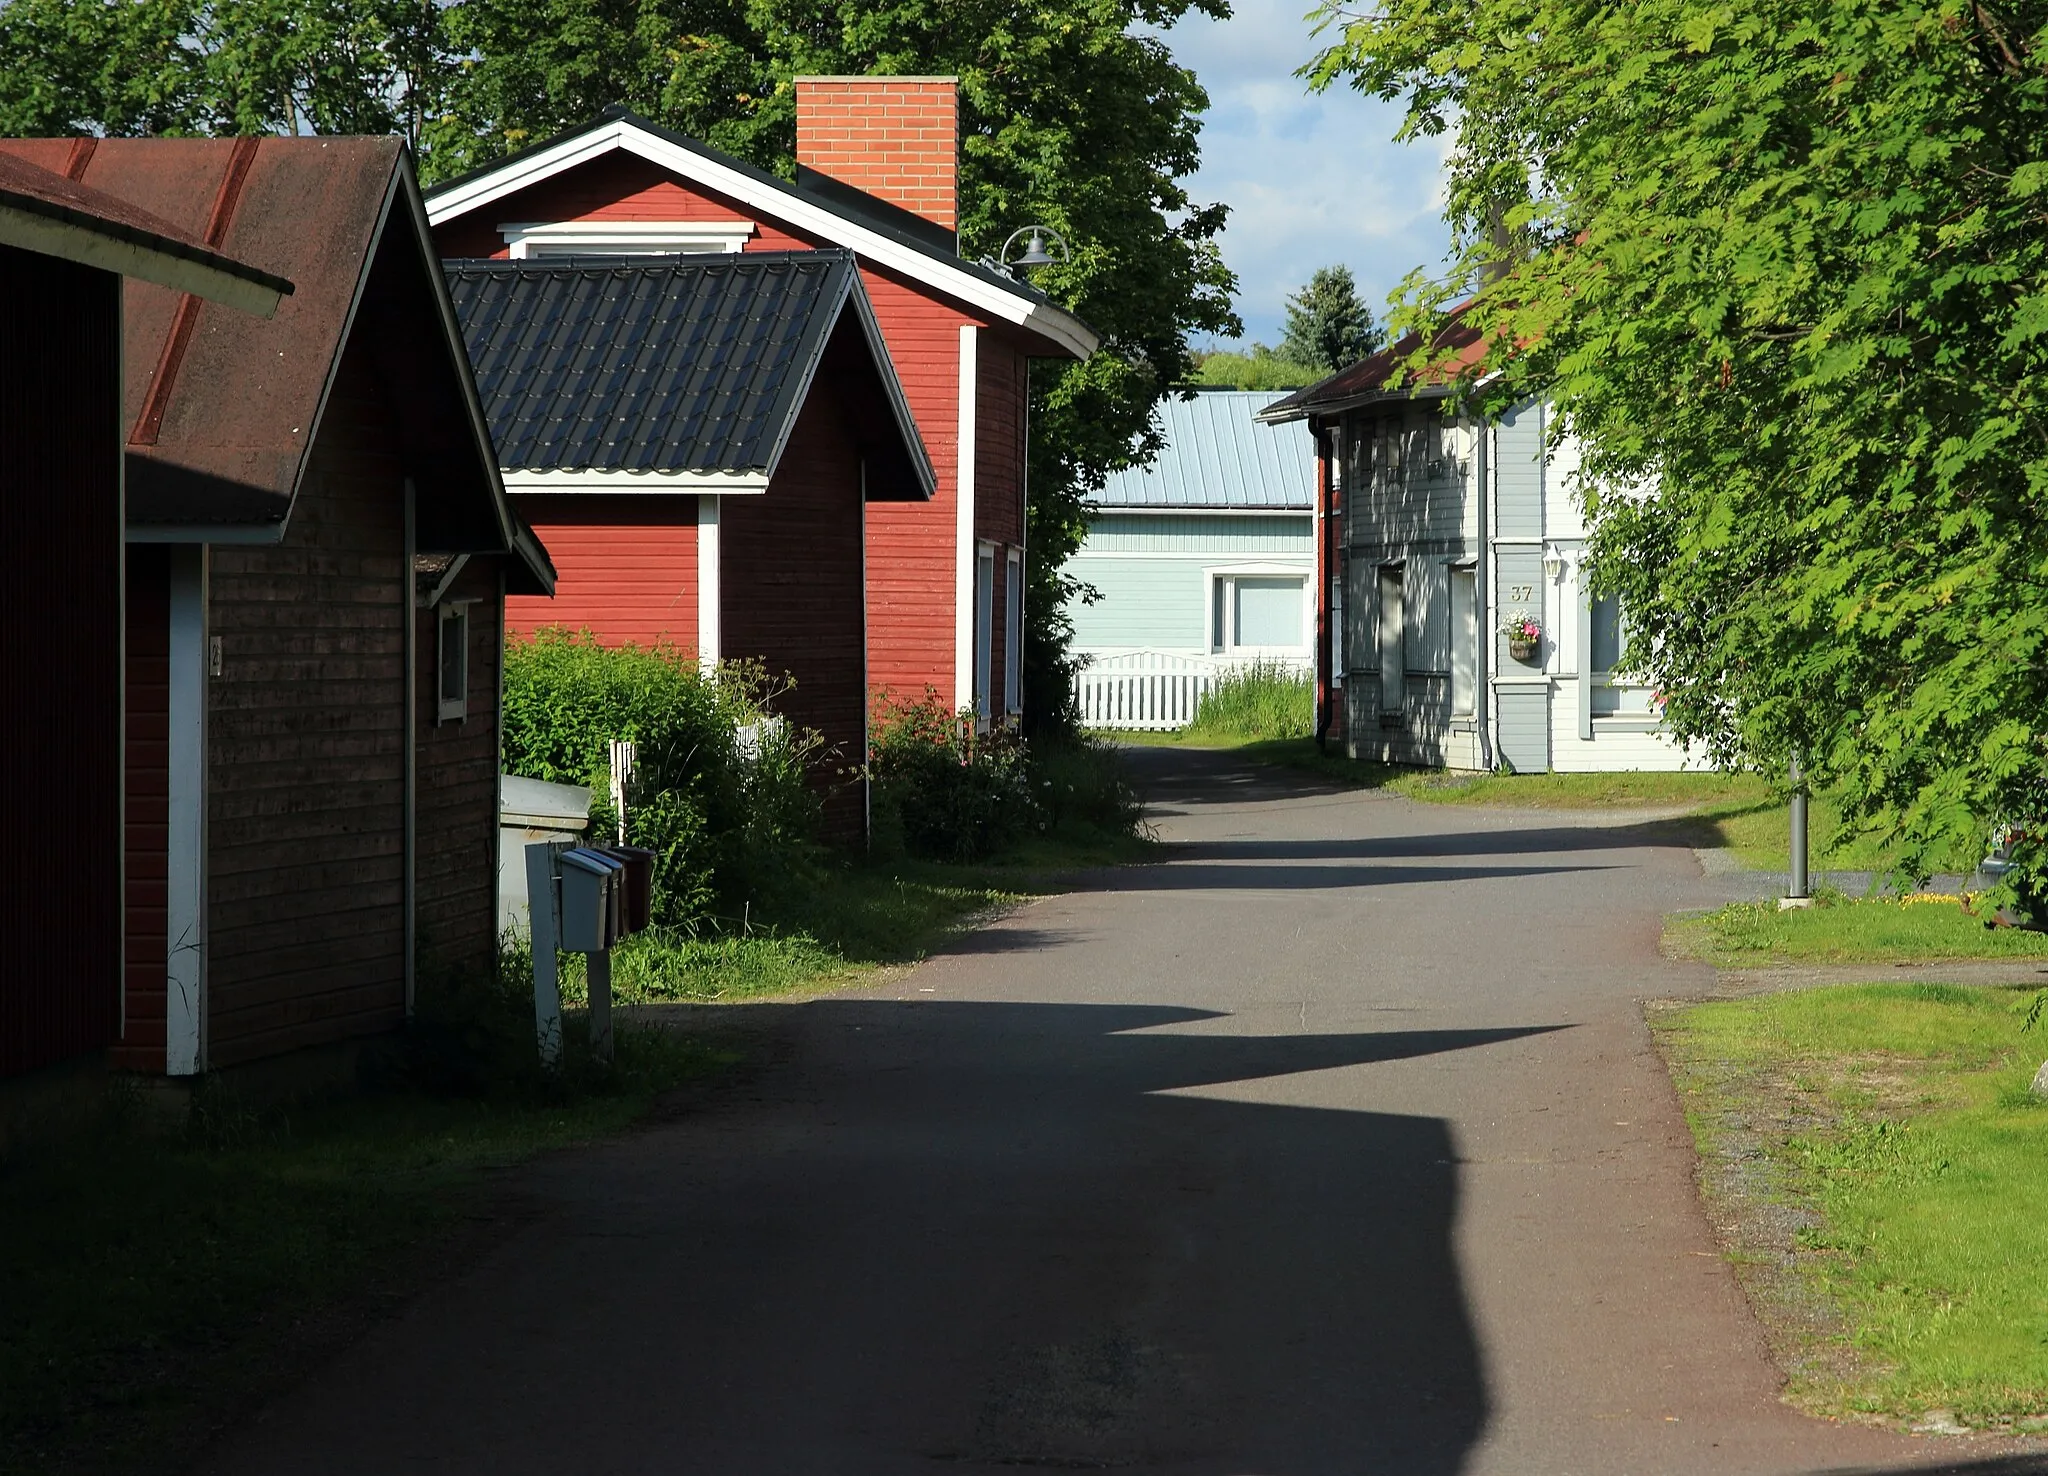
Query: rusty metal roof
column 44, row 210
column 222, row 409
column 1463, row 343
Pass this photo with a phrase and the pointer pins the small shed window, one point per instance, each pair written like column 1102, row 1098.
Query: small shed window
column 984, row 629
column 452, row 662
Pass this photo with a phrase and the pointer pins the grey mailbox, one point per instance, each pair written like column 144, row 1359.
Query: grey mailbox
column 589, row 902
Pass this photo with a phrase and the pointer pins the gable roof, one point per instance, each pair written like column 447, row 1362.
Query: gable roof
column 1366, row 381
column 223, row 409
column 1218, row 455
column 865, row 226
column 583, row 396
column 44, row 211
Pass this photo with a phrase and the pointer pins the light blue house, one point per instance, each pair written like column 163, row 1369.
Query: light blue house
column 1204, row 560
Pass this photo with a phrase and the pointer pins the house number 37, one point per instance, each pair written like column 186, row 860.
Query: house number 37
column 1521, row 591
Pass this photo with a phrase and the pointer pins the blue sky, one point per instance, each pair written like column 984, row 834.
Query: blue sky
column 1310, row 179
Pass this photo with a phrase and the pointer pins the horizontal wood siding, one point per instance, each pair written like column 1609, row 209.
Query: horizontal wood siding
column 1251, row 538
column 148, row 818
column 790, row 586
column 1518, row 442
column 626, row 568
column 912, row 545
column 618, row 186
column 1524, row 718
column 455, row 887
column 60, row 642
column 306, row 736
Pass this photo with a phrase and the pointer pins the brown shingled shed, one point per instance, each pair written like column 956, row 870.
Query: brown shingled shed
column 314, row 514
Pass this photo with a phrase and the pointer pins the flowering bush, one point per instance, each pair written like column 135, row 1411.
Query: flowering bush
column 1521, row 626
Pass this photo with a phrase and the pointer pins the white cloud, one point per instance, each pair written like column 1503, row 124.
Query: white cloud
column 1311, row 179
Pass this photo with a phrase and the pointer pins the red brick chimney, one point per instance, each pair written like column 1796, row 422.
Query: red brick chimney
column 897, row 138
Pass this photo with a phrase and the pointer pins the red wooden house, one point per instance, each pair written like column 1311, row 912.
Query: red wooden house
column 710, row 431
column 876, row 160
column 319, row 548
column 64, row 250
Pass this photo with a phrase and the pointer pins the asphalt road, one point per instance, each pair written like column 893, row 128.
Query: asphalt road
column 1334, row 1143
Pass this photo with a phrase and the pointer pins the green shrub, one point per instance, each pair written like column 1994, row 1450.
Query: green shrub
column 1260, row 700
column 942, row 791
column 1081, row 781
column 718, row 791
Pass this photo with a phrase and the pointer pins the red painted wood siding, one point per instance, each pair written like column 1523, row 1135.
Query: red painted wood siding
column 790, row 594
column 911, row 547
column 306, row 752
column 455, row 886
column 148, row 819
column 1002, row 382
column 626, row 568
column 60, row 645
column 618, row 186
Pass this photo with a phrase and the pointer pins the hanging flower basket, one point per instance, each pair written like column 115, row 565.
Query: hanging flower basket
column 1525, row 635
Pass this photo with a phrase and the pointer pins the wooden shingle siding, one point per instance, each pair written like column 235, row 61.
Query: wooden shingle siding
column 60, row 639
column 455, row 884
column 626, row 568
column 306, row 751
column 790, row 586
column 148, row 811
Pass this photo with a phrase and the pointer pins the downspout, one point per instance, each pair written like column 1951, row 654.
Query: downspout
column 1324, row 563
column 411, row 747
column 1489, row 744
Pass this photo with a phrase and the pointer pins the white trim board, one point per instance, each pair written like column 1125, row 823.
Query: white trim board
column 776, row 201
column 636, row 483
column 73, row 242
column 707, row 584
column 636, row 237
column 964, row 550
column 185, row 943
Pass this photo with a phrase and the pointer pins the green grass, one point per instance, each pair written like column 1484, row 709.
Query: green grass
column 1256, row 702
column 1844, row 931
column 1898, row 1117
column 166, row 1273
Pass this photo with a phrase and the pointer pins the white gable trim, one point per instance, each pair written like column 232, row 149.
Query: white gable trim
column 689, row 483
column 775, row 201
column 527, row 239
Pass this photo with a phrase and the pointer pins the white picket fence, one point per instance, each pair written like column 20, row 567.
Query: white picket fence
column 1146, row 689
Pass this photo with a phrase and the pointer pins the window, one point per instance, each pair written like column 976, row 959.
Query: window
column 1251, row 613
column 1393, row 642
column 452, row 662
column 625, row 237
column 1606, row 635
column 1464, row 640
column 1606, row 638
column 1013, row 632
column 984, row 629
column 1337, row 628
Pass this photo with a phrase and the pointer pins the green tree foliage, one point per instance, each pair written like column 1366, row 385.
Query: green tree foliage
column 1328, row 323
column 1261, row 368
column 1072, row 115
column 1781, row 265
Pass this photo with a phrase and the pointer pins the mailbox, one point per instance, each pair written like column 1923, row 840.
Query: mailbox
column 636, row 911
column 590, row 897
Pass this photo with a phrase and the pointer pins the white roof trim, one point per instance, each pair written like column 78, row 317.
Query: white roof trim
column 592, row 480
column 542, row 163
column 633, row 236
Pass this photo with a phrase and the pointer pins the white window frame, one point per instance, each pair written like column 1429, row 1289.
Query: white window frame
column 1597, row 681
column 451, row 622
column 1220, row 581
column 1392, row 626
column 1013, row 631
column 528, row 240
column 984, row 629
column 1464, row 635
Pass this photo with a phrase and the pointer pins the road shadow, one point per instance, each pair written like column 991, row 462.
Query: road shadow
column 958, row 1237
column 2012, row 1465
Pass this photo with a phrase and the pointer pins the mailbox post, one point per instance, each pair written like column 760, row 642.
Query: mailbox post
column 583, row 900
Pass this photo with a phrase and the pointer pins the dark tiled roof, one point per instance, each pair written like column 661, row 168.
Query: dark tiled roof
column 668, row 364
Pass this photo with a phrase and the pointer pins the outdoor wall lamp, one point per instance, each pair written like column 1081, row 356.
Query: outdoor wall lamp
column 1035, row 252
column 1553, row 562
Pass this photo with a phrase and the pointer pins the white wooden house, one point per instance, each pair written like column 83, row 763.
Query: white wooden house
column 1432, row 532
column 1202, row 561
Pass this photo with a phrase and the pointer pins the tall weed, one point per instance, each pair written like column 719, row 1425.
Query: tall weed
column 1260, row 700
